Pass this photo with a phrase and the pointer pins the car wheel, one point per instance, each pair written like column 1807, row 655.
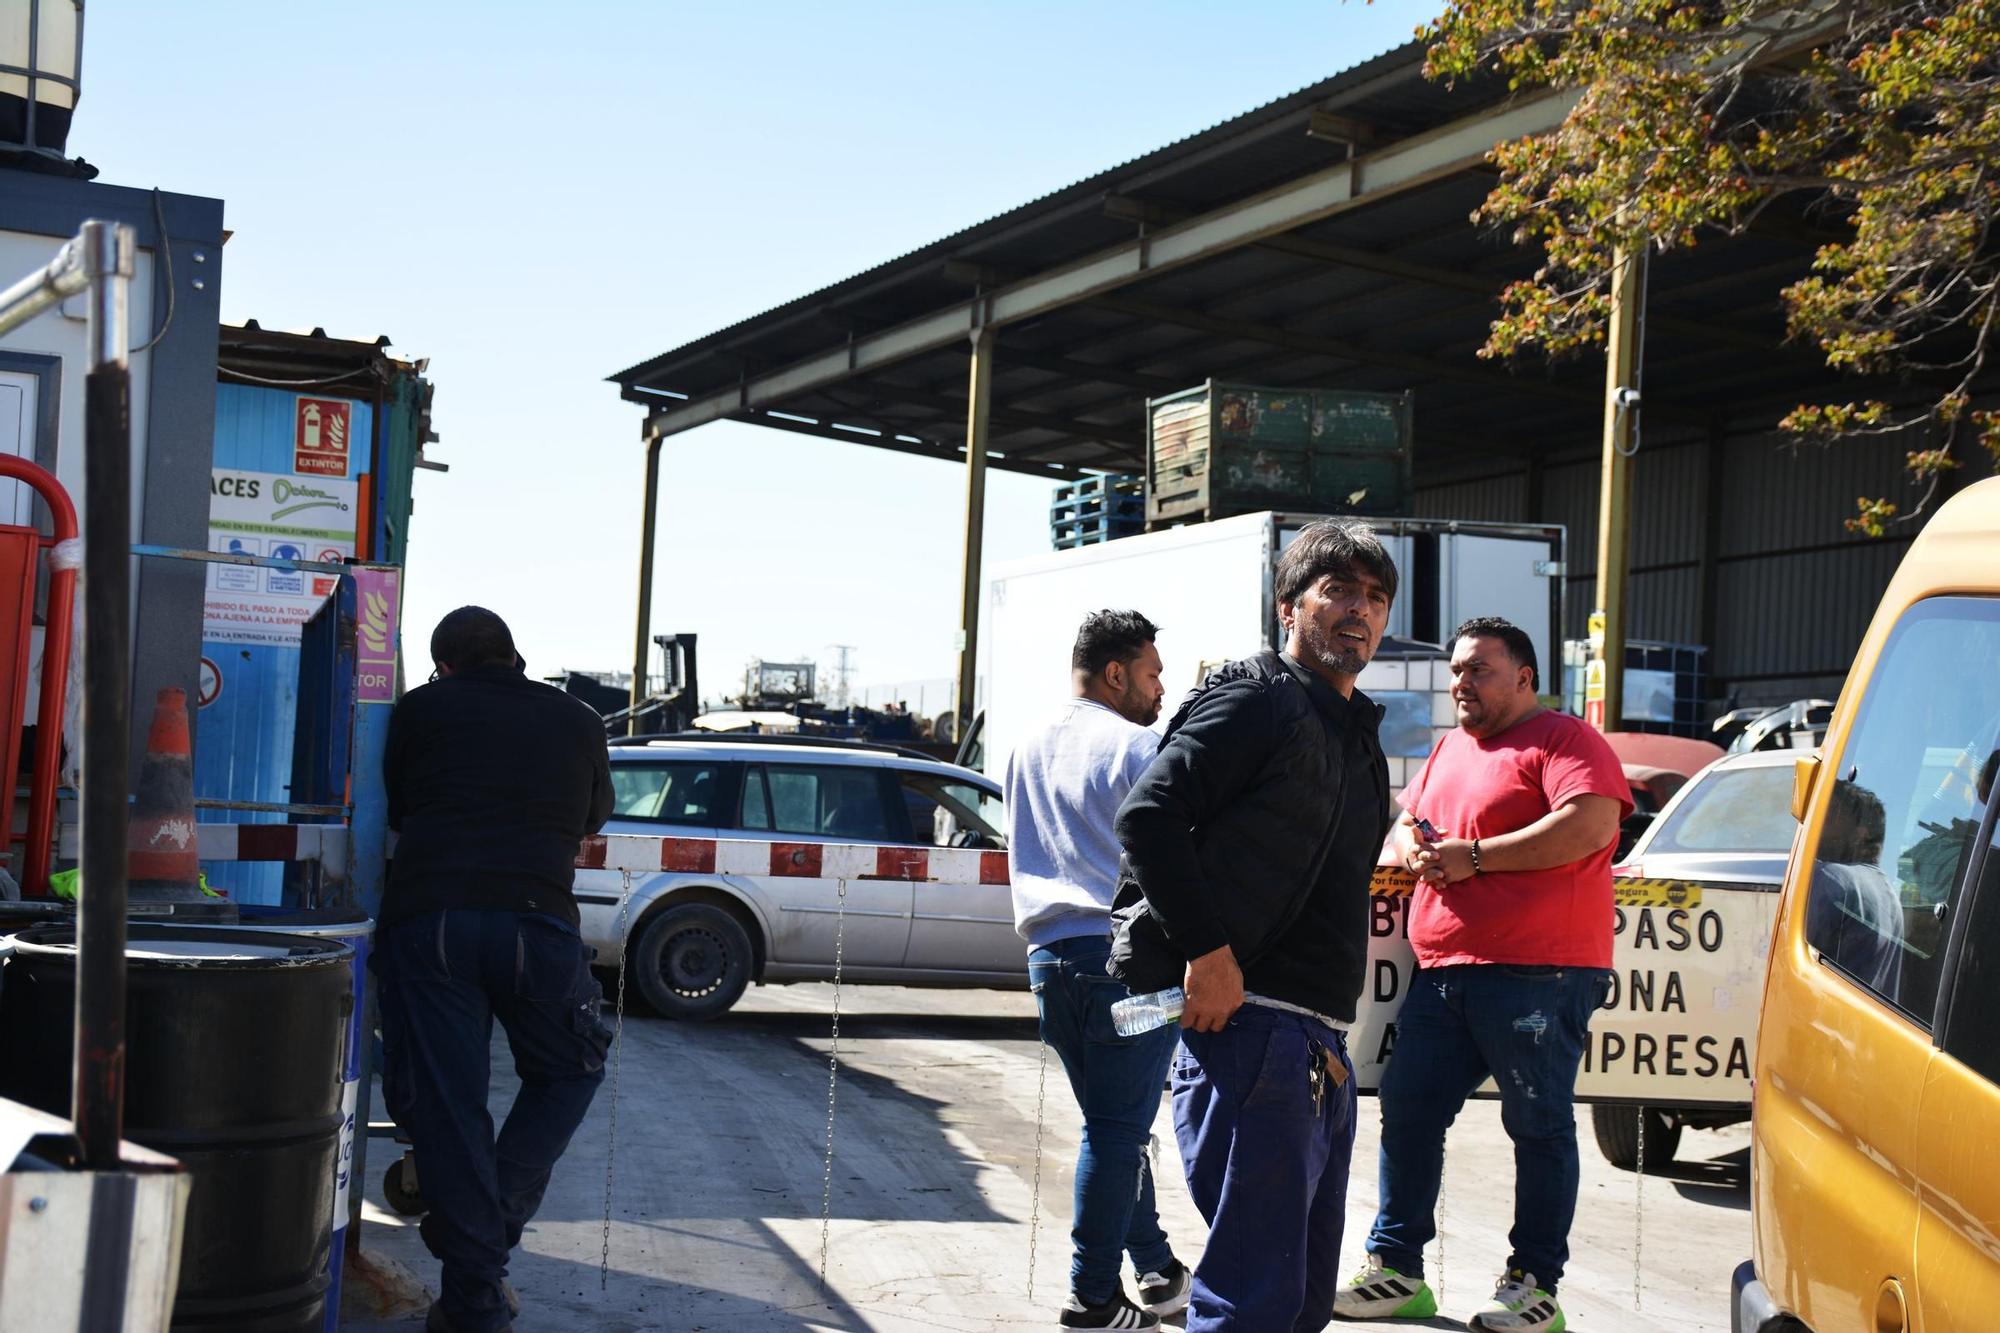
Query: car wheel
column 1617, row 1129
column 692, row 961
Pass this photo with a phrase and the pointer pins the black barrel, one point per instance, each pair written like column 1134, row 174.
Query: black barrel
column 235, row 1045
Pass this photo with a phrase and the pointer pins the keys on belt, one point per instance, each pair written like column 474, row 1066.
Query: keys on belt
column 1323, row 1067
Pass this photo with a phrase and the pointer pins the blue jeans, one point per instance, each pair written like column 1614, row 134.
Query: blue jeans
column 444, row 977
column 1524, row 1026
column 1117, row 1081
column 1266, row 1162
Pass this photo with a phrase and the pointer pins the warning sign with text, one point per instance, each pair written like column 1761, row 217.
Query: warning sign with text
column 320, row 437
column 1680, row 1022
column 266, row 517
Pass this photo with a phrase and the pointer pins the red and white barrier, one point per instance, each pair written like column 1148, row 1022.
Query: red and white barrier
column 254, row 842
column 271, row 842
column 695, row 856
column 691, row 856
column 803, row 860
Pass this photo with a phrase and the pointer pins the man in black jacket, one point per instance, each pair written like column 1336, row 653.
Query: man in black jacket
column 493, row 781
column 1249, row 844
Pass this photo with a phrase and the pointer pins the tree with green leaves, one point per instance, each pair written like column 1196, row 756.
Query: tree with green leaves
column 1695, row 116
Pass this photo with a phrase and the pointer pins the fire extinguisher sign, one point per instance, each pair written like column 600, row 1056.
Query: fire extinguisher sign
column 320, row 437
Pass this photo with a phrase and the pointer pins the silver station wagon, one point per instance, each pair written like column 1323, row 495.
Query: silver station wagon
column 692, row 941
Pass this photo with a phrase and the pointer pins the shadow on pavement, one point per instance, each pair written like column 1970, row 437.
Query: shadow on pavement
column 1722, row 1182
column 859, row 1022
column 718, row 1171
column 562, row 1294
column 727, row 1121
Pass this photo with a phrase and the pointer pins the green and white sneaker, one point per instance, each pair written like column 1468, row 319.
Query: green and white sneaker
column 1378, row 1292
column 1519, row 1306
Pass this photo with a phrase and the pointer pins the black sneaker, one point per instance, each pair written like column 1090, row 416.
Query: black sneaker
column 1115, row 1313
column 436, row 1321
column 1166, row 1292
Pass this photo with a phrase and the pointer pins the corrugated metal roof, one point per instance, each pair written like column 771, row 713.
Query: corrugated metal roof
column 1395, row 292
column 1404, row 60
column 279, row 357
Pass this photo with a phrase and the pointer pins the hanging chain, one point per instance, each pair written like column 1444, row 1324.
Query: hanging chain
column 1035, row 1202
column 1638, row 1207
column 1444, row 1160
column 617, row 1050
column 832, row 1083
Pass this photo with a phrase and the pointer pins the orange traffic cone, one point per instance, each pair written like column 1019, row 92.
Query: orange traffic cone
column 161, row 857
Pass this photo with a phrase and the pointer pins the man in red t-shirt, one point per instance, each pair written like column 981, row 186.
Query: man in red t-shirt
column 1510, row 829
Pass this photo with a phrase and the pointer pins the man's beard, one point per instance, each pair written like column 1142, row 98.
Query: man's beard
column 1137, row 705
column 1328, row 649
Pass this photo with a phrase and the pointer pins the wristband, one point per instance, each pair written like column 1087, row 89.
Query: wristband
column 1475, row 856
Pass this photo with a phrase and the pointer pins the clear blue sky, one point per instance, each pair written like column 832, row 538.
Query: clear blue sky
column 535, row 196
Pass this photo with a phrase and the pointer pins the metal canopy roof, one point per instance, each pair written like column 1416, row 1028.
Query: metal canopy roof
column 1320, row 240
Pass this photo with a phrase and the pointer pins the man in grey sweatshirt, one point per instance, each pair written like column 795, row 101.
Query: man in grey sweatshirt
column 1064, row 785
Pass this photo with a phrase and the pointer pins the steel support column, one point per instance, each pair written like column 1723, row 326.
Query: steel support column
column 978, row 411
column 1622, row 349
column 642, row 643
column 97, row 1092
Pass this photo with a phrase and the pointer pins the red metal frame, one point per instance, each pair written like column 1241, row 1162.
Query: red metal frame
column 55, row 674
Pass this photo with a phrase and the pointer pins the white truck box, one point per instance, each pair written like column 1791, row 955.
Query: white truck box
column 1209, row 588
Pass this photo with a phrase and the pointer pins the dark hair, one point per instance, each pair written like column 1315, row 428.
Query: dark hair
column 1519, row 646
column 1855, row 823
column 472, row 637
column 1110, row 636
column 1333, row 546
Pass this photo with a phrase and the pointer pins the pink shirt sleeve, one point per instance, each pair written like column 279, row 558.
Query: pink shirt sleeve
column 1579, row 762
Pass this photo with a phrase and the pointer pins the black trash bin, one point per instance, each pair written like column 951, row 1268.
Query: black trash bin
column 235, row 1045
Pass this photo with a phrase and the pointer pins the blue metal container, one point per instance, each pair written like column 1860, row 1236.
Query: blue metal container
column 243, row 736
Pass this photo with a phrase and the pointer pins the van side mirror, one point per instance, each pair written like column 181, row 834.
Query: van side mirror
column 1805, row 772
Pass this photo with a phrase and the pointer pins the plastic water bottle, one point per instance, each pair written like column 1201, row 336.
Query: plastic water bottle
column 1142, row 1013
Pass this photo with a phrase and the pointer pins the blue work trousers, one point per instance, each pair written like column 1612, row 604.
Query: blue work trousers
column 1117, row 1081
column 444, row 977
column 1526, row 1028
column 1266, row 1145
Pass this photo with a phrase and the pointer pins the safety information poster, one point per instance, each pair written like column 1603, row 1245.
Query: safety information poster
column 280, row 516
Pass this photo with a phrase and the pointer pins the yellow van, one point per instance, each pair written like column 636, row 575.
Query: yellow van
column 1875, row 1146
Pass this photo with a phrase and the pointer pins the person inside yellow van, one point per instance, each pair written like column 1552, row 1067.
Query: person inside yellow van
column 1855, row 916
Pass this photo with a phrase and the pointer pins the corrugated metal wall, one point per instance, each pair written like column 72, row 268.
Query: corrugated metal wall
column 1495, row 500
column 1794, row 591
column 243, row 746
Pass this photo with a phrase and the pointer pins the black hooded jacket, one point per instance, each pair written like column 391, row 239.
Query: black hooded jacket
column 1257, row 826
column 493, row 780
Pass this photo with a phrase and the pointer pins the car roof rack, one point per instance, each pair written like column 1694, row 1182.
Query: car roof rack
column 770, row 738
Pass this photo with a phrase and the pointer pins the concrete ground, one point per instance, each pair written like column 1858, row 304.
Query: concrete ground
column 720, row 1172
